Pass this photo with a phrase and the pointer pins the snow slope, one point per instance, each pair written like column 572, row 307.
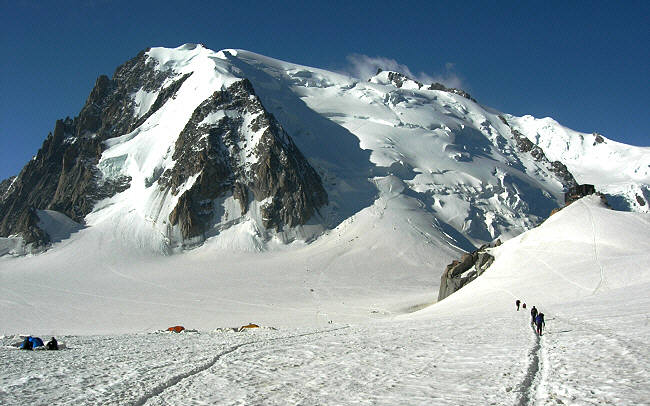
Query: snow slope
column 614, row 168
column 586, row 268
column 584, row 250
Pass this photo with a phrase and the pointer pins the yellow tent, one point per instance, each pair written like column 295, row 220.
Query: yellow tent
column 249, row 325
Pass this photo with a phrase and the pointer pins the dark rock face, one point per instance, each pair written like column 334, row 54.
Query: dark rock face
column 4, row 187
column 28, row 221
column 576, row 192
column 460, row 92
column 598, row 139
column 109, row 110
column 63, row 175
column 219, row 153
column 556, row 167
column 460, row 273
column 398, row 79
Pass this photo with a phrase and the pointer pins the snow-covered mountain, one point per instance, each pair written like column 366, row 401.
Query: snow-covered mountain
column 189, row 145
column 326, row 207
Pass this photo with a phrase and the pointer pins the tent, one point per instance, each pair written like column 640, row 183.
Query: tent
column 249, row 325
column 176, row 329
column 31, row 343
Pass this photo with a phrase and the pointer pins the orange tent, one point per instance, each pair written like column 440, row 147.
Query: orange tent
column 176, row 329
column 250, row 325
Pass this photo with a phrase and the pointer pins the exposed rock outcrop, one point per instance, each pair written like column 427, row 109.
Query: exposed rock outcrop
column 598, row 139
column 110, row 109
column 460, row 92
column 399, row 79
column 577, row 192
column 242, row 153
column 460, row 272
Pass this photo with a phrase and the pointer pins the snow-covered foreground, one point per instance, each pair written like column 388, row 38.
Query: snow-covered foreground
column 486, row 359
column 587, row 268
column 437, row 362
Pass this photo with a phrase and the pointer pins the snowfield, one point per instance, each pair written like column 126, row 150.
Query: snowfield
column 586, row 268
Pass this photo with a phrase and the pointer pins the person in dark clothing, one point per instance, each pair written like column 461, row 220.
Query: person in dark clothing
column 533, row 314
column 539, row 321
column 27, row 344
column 517, row 304
column 52, row 344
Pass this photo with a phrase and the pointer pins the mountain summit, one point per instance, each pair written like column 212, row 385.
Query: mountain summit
column 187, row 145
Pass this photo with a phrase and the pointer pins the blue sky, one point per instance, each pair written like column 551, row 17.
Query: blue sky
column 586, row 64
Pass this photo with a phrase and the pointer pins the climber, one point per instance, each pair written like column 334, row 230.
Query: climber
column 539, row 321
column 52, row 344
column 517, row 303
column 533, row 314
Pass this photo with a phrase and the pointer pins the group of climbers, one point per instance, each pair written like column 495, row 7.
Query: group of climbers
column 536, row 317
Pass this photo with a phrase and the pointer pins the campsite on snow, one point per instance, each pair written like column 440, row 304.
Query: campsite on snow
column 228, row 228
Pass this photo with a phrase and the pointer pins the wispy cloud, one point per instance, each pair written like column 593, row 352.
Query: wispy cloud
column 363, row 67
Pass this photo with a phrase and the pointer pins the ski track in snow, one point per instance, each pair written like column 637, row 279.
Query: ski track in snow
column 159, row 389
column 440, row 362
column 586, row 365
column 528, row 386
column 494, row 359
column 344, row 368
column 593, row 228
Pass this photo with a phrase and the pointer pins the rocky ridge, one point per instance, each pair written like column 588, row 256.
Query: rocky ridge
column 63, row 175
column 461, row 272
column 217, row 152
column 399, row 80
